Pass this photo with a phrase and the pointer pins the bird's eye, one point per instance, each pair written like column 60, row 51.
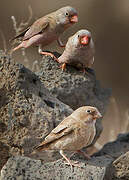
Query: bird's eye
column 88, row 111
column 78, row 36
column 66, row 13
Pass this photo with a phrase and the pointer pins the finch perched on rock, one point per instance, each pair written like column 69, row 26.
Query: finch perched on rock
column 48, row 29
column 79, row 51
column 73, row 133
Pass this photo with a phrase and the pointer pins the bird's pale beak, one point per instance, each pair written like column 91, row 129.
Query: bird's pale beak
column 84, row 40
column 74, row 19
column 97, row 116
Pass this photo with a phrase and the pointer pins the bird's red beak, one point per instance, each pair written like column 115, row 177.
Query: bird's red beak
column 74, row 19
column 84, row 40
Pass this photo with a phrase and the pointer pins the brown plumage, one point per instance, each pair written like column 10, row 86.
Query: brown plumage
column 73, row 133
column 79, row 51
column 47, row 29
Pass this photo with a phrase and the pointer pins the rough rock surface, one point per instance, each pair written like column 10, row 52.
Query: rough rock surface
column 100, row 167
column 74, row 88
column 119, row 151
column 20, row 168
column 121, row 166
column 28, row 112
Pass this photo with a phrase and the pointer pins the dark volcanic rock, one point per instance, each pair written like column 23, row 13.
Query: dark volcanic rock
column 74, row 88
column 28, row 169
column 121, row 166
column 99, row 167
column 28, row 112
column 119, row 151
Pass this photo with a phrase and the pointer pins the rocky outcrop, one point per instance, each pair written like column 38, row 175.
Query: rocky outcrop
column 28, row 112
column 28, row 169
column 74, row 88
column 101, row 166
column 119, row 151
column 121, row 166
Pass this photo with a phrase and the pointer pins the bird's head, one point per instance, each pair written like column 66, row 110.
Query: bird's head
column 82, row 38
column 67, row 16
column 87, row 114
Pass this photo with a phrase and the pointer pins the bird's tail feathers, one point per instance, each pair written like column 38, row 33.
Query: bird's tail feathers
column 20, row 34
column 41, row 147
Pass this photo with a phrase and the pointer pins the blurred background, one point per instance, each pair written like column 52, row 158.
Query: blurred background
column 109, row 23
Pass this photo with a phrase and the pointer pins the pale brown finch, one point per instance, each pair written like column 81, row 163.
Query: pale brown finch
column 73, row 133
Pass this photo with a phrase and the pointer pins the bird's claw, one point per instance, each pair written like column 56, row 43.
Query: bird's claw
column 51, row 55
column 75, row 164
column 63, row 66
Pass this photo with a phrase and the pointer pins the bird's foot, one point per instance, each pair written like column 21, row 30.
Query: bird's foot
column 63, row 66
column 50, row 54
column 84, row 71
column 68, row 161
column 72, row 164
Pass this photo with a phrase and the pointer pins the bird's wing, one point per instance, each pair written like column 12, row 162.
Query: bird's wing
column 61, row 130
column 37, row 27
column 21, row 34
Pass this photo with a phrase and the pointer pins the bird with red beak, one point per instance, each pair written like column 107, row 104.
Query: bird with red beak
column 79, row 51
column 47, row 29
